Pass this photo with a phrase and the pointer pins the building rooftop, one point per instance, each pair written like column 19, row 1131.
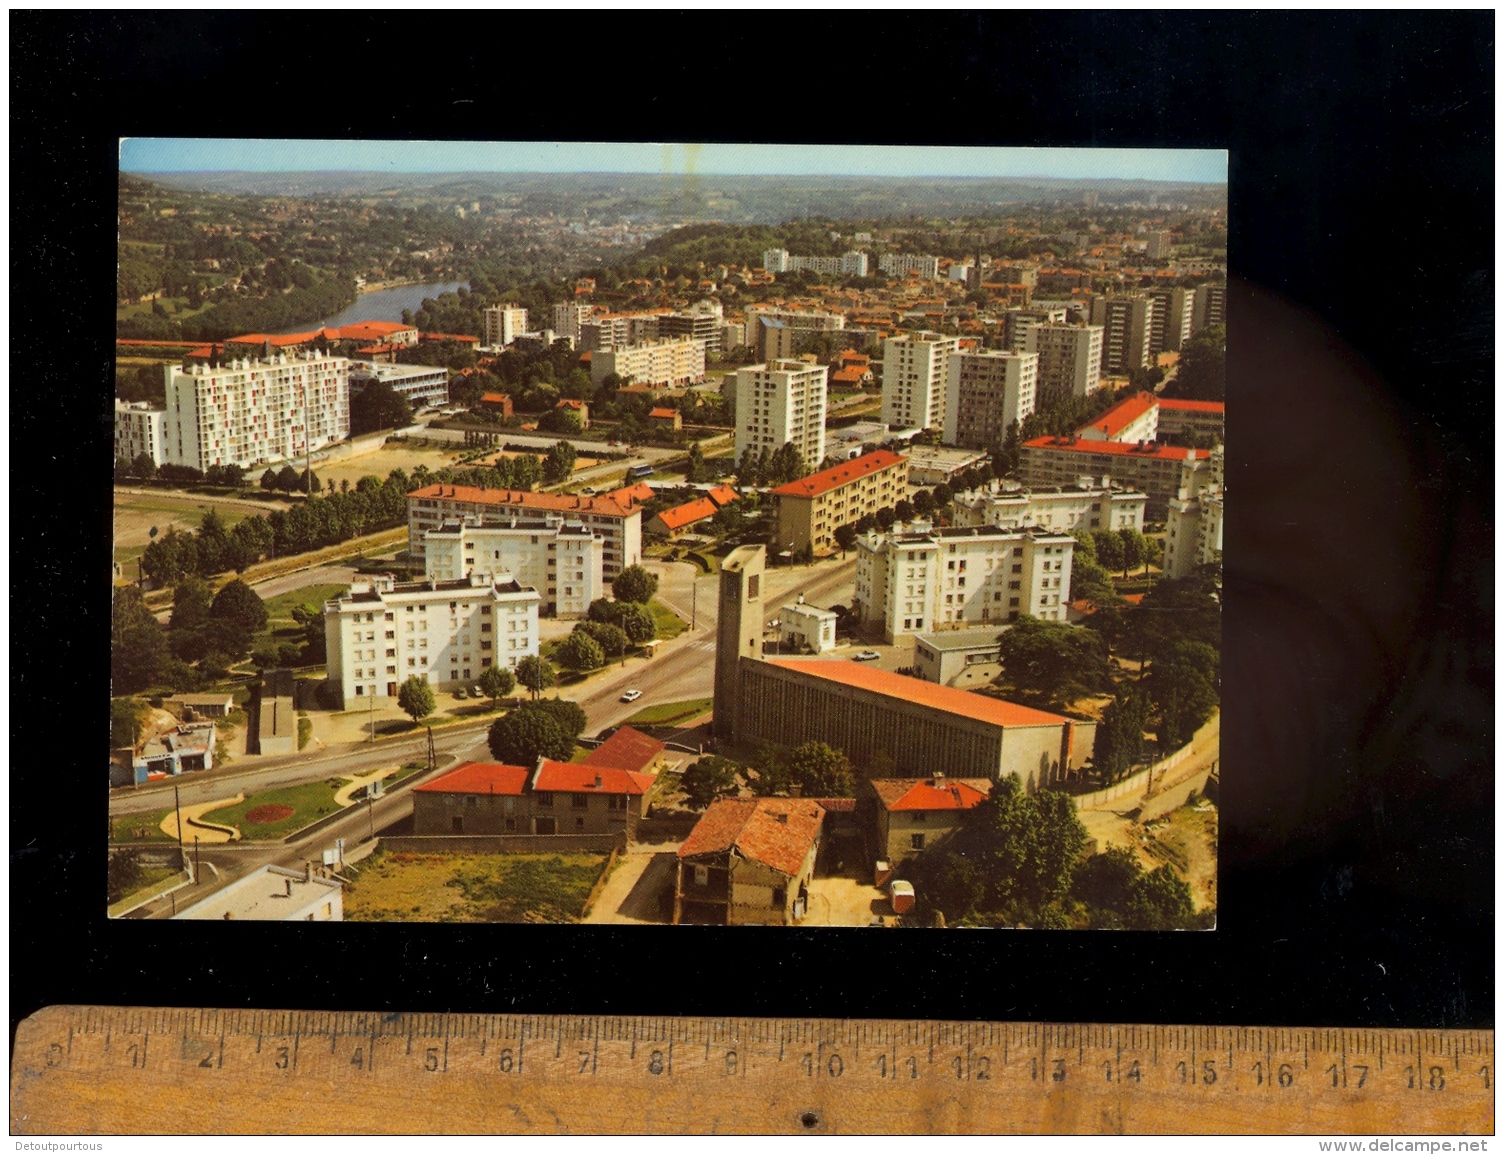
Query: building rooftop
column 1121, row 415
column 578, row 778
column 930, row 793
column 962, row 703
column 853, row 470
column 1193, row 406
column 961, row 639
column 270, row 894
column 688, row 513
column 1149, row 449
column 604, row 506
column 776, row 832
column 627, row 749
column 631, row 495
column 479, row 778
column 721, row 494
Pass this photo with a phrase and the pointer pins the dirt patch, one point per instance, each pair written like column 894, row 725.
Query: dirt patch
column 263, row 815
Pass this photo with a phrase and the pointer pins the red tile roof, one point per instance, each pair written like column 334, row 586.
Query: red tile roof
column 631, row 494
column 688, row 513
column 863, row 466
column 577, row 778
column 1193, row 406
column 1117, row 448
column 722, row 495
column 372, row 330
column 493, row 398
column 562, row 502
column 479, row 778
column 963, row 703
column 1121, row 415
column 466, row 338
column 569, row 403
column 753, row 827
column 930, row 793
column 663, row 413
column 627, row 749
column 854, row 375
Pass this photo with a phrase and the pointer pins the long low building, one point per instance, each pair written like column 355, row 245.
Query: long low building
column 811, row 509
column 562, row 560
column 418, row 385
column 1160, row 471
column 617, row 522
column 1088, row 504
column 919, row 725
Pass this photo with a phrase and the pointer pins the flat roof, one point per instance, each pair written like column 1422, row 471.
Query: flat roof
column 272, row 893
column 1150, row 450
column 961, row 639
column 604, row 506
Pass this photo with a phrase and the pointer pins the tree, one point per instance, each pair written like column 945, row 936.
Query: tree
column 612, row 639
column 923, row 502
column 1054, row 661
column 1120, row 737
column 289, row 480
column 535, row 674
column 559, row 463
column 696, row 468
column 1110, row 550
column 1104, row 883
column 311, row 619
column 943, row 497
column 634, row 584
column 143, row 466
column 1133, row 548
column 845, row 538
column 126, row 716
column 138, row 652
column 637, row 622
column 822, row 771
column 710, row 778
column 580, row 652
column 527, row 734
column 189, row 624
column 497, row 682
column 238, row 615
column 1201, row 374
column 570, row 716
column 379, row 406
column 885, row 518
column 1160, row 900
column 904, row 510
column 415, row 697
column 124, row 874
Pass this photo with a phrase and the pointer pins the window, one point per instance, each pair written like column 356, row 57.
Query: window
column 753, row 583
column 546, row 800
column 780, row 896
column 579, row 824
column 916, row 842
column 579, row 801
column 702, row 876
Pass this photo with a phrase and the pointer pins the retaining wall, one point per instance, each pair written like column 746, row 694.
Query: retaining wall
column 504, row 843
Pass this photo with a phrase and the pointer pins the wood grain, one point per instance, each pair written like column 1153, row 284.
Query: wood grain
column 117, row 1070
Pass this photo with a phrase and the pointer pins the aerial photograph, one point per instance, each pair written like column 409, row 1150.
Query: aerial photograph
column 752, row 535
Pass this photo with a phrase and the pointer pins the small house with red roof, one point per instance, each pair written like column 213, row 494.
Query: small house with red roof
column 749, row 862
column 665, row 417
column 673, row 522
column 474, row 798
column 629, row 749
column 722, row 495
column 577, row 407
column 576, row 798
column 495, row 403
column 914, row 815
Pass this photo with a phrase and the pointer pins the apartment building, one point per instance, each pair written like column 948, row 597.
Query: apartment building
column 567, row 318
column 615, row 330
column 617, row 522
column 1014, row 324
column 1134, row 419
column 1193, row 522
column 852, row 263
column 503, row 325
column 1070, row 357
column 985, row 393
column 1178, row 418
column 421, row 386
column 252, row 410
column 701, row 322
column 382, row 632
column 1087, row 504
column 919, row 578
column 1158, row 470
column 916, row 369
column 781, row 403
column 1210, row 307
column 1172, row 320
column 776, row 334
column 139, row 428
column 902, row 264
column 563, row 560
column 1158, row 244
column 811, row 509
column 1127, row 328
column 659, row 364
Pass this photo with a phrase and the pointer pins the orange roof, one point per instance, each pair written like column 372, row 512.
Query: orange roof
column 1117, row 448
column 854, row 374
column 449, row 337
column 631, row 494
column 577, row 778
column 383, row 348
column 722, row 495
column 494, row 398
column 627, row 749
column 1194, row 406
column 688, row 513
column 947, row 699
column 371, row 330
column 562, row 502
column 1133, row 599
column 569, row 403
column 478, row 778
column 663, row 413
column 754, row 828
column 930, row 793
column 1122, row 415
column 853, row 355
column 828, row 479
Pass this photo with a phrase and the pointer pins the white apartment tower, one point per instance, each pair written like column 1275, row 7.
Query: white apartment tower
column 382, row 632
column 1070, row 357
column 918, row 579
column 1090, row 504
column 916, row 368
column 251, row 411
column 985, row 393
column 781, row 403
column 568, row 317
column 902, row 264
column 1193, row 522
column 562, row 560
column 139, row 429
column 503, row 325
column 1172, row 319
column 775, row 260
column 1127, row 327
column 1210, row 307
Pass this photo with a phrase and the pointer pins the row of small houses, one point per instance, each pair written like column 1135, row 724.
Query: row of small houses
column 747, row 861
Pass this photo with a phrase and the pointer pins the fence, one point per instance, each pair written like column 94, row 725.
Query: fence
column 1137, row 785
column 504, row 843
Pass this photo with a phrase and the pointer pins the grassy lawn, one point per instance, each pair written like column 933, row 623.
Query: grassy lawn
column 310, row 802
column 670, row 624
column 124, row 829
column 472, row 887
column 137, row 513
column 279, row 624
column 670, row 712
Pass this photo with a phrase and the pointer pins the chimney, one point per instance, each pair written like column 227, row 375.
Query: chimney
column 795, row 791
column 781, row 816
column 940, row 779
column 597, row 781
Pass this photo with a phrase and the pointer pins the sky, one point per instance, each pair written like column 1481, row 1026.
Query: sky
column 164, row 155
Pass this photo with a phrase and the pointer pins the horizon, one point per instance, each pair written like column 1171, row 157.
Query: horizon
column 161, row 156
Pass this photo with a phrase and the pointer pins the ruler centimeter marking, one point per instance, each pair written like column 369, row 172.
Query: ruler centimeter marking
column 100, row 1070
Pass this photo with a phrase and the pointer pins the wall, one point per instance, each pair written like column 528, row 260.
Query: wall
column 504, row 843
column 1133, row 787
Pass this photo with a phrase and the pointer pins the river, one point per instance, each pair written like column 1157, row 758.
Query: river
column 382, row 305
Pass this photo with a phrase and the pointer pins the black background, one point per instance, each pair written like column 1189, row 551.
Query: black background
column 1357, row 875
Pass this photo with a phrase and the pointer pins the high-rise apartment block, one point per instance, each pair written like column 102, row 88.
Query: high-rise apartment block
column 1014, row 324
column 1127, row 327
column 1172, row 320
column 661, row 364
column 1089, row 504
column 250, row 411
column 700, row 322
column 902, row 264
column 811, row 509
column 1210, row 307
column 916, row 369
column 1160, row 471
column 562, row 560
column 568, row 317
column 986, row 392
column 1193, row 523
column 848, row 264
column 781, row 403
column 139, row 428
column 382, row 632
column 503, row 325
column 1070, row 357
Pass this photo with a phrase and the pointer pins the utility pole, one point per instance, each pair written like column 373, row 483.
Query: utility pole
column 177, row 808
column 373, row 713
column 694, row 602
column 198, row 876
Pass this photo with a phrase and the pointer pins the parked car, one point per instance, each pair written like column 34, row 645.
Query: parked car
column 477, row 692
column 867, row 656
column 631, row 695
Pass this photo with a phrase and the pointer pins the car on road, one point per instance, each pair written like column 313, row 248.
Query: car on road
column 867, row 656
column 631, row 695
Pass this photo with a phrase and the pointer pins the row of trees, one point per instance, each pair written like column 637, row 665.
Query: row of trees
column 214, row 631
column 266, row 314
